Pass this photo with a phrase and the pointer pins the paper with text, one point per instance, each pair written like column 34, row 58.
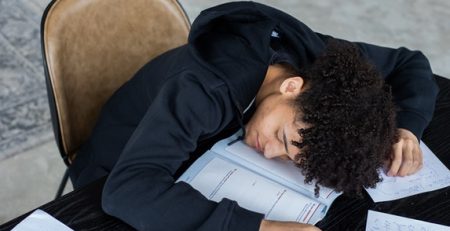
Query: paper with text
column 220, row 179
column 433, row 175
column 377, row 221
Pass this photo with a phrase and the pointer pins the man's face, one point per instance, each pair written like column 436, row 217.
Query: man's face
column 272, row 128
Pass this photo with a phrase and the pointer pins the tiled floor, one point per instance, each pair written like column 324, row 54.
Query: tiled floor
column 30, row 178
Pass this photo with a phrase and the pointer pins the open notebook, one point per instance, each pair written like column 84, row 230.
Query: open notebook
column 276, row 187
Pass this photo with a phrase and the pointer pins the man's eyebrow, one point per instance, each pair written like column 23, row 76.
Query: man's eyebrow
column 285, row 142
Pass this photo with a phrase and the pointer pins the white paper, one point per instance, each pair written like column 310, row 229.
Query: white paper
column 39, row 221
column 433, row 175
column 377, row 221
column 222, row 179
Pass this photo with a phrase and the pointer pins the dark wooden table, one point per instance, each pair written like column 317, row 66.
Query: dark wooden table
column 81, row 209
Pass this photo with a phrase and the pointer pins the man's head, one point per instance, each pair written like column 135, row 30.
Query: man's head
column 335, row 119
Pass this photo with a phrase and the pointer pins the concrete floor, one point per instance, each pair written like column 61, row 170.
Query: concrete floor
column 30, row 179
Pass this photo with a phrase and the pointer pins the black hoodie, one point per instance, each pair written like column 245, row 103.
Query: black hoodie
column 153, row 124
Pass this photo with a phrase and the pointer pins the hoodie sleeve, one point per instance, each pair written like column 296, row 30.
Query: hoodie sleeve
column 413, row 86
column 141, row 190
column 408, row 72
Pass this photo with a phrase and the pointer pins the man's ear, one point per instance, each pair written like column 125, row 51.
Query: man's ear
column 292, row 86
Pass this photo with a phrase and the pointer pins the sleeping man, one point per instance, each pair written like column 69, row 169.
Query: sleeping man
column 339, row 110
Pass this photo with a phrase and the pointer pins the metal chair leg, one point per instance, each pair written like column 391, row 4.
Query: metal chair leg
column 63, row 184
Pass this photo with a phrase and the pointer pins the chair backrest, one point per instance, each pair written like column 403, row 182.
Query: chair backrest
column 91, row 47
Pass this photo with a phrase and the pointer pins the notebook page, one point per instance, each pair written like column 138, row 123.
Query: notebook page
column 217, row 178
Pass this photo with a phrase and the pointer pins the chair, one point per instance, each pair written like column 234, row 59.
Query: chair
column 90, row 48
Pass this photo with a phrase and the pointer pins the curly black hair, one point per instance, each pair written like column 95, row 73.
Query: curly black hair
column 351, row 118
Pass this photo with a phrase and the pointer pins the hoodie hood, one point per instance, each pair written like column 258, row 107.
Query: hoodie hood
column 234, row 41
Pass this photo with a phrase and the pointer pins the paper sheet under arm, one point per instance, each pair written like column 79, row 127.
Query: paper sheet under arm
column 433, row 175
column 377, row 221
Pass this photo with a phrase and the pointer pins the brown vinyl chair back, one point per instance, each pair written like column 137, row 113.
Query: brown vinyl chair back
column 91, row 47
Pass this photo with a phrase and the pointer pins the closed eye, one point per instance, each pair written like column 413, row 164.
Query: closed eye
column 285, row 141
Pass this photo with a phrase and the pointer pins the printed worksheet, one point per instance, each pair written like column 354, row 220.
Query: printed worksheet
column 433, row 175
column 221, row 179
column 377, row 221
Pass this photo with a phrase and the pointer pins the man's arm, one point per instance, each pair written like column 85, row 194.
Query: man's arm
column 414, row 91
column 141, row 190
column 411, row 78
column 413, row 86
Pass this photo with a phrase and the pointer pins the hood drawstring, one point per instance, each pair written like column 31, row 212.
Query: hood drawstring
column 241, row 137
column 240, row 115
column 241, row 121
